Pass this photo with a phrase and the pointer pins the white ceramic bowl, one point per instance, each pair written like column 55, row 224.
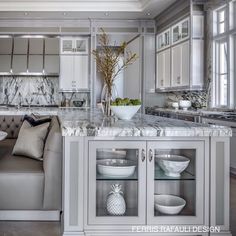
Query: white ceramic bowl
column 116, row 168
column 169, row 204
column 125, row 112
column 175, row 105
column 172, row 165
column 3, row 135
column 185, row 104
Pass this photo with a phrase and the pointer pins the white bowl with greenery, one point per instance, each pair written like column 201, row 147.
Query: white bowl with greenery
column 125, row 108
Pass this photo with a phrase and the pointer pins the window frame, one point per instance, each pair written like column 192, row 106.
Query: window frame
column 228, row 36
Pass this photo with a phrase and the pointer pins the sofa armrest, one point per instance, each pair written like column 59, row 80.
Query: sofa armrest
column 52, row 164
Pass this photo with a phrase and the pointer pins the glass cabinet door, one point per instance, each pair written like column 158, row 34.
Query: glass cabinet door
column 185, row 29
column 117, row 189
column 175, row 171
column 163, row 40
column 67, row 45
column 81, row 45
column 175, row 33
column 160, row 41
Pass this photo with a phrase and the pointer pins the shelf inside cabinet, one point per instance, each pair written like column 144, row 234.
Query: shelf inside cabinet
column 160, row 175
column 133, row 177
column 185, row 212
column 128, row 212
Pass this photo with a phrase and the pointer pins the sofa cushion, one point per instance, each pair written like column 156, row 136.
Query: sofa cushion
column 16, row 164
column 21, row 180
column 30, row 141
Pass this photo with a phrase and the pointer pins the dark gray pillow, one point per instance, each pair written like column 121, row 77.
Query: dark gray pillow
column 30, row 141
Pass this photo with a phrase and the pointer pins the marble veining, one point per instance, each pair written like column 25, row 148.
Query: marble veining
column 85, row 122
column 29, row 90
column 89, row 122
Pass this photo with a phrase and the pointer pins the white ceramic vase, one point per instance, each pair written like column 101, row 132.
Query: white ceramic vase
column 115, row 201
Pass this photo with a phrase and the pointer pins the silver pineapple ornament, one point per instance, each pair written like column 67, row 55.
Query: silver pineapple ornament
column 115, row 201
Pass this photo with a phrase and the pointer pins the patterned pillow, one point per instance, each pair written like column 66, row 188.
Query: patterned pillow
column 35, row 120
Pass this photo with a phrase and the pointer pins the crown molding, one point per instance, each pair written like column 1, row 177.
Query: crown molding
column 74, row 5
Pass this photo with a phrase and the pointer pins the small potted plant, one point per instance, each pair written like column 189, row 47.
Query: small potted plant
column 125, row 108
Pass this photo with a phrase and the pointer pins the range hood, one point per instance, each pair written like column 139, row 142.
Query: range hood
column 29, row 56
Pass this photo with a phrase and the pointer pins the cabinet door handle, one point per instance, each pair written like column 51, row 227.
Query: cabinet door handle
column 178, row 80
column 143, row 156
column 150, row 155
column 162, row 82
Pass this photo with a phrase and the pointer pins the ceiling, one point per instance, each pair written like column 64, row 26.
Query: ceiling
column 122, row 9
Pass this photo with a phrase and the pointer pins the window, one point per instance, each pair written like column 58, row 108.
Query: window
column 224, row 45
column 221, row 21
column 221, row 73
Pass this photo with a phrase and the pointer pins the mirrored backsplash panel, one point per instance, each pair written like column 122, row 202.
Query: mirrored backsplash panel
column 29, row 91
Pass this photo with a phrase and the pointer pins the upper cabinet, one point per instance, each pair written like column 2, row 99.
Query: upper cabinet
column 74, row 64
column 180, row 55
column 29, row 56
column 163, row 40
column 180, row 31
column 74, row 45
column 5, row 54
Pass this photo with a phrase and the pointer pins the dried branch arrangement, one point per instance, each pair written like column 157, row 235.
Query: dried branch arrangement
column 108, row 60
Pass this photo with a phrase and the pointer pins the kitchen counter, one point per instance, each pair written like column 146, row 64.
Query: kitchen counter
column 200, row 112
column 28, row 110
column 85, row 122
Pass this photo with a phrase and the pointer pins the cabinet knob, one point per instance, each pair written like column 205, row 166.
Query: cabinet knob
column 143, row 156
column 150, row 155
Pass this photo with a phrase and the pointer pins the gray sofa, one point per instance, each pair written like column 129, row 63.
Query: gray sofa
column 28, row 184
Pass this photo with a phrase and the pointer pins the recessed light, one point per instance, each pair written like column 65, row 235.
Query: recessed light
column 106, row 13
column 64, row 13
column 26, row 13
column 148, row 14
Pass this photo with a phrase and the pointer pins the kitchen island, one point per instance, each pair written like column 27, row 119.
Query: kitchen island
column 89, row 138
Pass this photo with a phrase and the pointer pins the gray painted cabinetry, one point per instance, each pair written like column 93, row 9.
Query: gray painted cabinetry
column 86, row 189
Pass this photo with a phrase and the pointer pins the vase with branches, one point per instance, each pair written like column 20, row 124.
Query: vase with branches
column 108, row 64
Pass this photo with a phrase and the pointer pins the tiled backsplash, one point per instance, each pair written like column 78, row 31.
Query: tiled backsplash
column 32, row 91
column 198, row 98
column 29, row 90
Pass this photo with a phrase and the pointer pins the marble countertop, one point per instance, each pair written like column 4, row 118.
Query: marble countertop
column 87, row 122
column 200, row 112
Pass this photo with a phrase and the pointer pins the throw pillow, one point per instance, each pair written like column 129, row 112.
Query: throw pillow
column 35, row 120
column 30, row 141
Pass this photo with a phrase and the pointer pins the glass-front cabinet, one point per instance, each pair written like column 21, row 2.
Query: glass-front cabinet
column 74, row 45
column 180, row 31
column 163, row 40
column 117, row 173
column 146, row 183
column 175, row 193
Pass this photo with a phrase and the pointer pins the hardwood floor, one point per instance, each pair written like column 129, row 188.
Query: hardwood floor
column 8, row 228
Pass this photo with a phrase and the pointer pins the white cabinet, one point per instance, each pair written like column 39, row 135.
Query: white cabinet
column 74, row 64
column 147, row 181
column 163, row 69
column 185, row 65
column 132, row 186
column 180, row 31
column 180, row 65
column 73, row 72
column 163, row 40
column 74, row 45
